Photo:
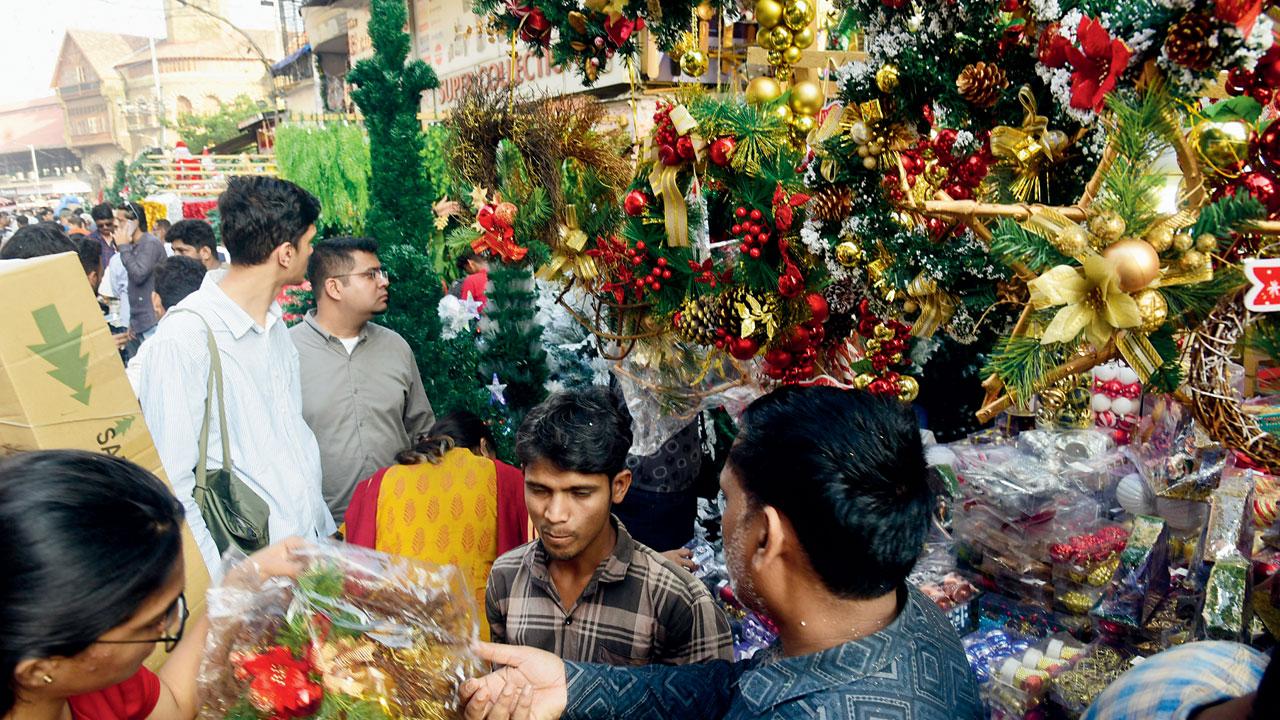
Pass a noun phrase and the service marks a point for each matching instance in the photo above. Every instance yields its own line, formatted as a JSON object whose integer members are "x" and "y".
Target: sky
{"x": 33, "y": 34}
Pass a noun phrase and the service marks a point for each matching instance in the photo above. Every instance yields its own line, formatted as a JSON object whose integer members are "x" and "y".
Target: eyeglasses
{"x": 374, "y": 274}
{"x": 176, "y": 617}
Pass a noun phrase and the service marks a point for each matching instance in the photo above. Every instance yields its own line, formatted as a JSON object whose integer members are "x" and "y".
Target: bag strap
{"x": 214, "y": 384}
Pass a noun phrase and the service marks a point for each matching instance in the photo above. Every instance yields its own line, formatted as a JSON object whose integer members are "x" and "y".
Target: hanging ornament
{"x": 636, "y": 203}
{"x": 768, "y": 13}
{"x": 721, "y": 151}
{"x": 802, "y": 38}
{"x": 1223, "y": 145}
{"x": 982, "y": 83}
{"x": 887, "y": 78}
{"x": 693, "y": 63}
{"x": 1153, "y": 308}
{"x": 806, "y": 98}
{"x": 763, "y": 90}
{"x": 848, "y": 254}
{"x": 799, "y": 13}
{"x": 1029, "y": 149}
{"x": 1135, "y": 263}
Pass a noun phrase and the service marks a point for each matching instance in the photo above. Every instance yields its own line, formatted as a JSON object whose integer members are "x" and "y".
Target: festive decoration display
{"x": 359, "y": 634}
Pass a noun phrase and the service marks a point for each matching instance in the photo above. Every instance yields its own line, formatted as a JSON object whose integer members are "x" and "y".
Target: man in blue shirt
{"x": 826, "y": 508}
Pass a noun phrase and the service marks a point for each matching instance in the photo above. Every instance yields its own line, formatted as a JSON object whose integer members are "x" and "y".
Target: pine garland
{"x": 332, "y": 162}
{"x": 1014, "y": 243}
{"x": 1227, "y": 215}
{"x": 1022, "y": 361}
{"x": 1189, "y": 304}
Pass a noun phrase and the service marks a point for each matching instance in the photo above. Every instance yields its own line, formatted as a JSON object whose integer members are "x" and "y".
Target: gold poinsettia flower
{"x": 1093, "y": 299}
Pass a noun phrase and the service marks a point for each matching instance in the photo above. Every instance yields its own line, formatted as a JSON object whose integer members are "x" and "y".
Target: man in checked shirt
{"x": 586, "y": 590}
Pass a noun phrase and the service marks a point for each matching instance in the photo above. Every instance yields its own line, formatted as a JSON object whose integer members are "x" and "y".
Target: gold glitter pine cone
{"x": 1187, "y": 43}
{"x": 831, "y": 203}
{"x": 982, "y": 83}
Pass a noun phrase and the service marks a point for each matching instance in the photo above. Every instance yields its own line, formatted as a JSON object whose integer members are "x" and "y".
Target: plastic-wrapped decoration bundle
{"x": 359, "y": 635}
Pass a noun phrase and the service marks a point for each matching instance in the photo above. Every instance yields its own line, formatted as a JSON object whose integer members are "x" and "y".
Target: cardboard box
{"x": 62, "y": 384}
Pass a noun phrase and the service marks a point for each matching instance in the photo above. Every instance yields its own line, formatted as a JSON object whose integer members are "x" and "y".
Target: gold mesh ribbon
{"x": 568, "y": 259}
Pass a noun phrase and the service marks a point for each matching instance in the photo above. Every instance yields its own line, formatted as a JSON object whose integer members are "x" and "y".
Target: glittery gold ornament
{"x": 1153, "y": 309}
{"x": 1071, "y": 241}
{"x": 883, "y": 332}
{"x": 887, "y": 77}
{"x": 768, "y": 13}
{"x": 783, "y": 113}
{"x": 862, "y": 381}
{"x": 802, "y": 38}
{"x": 1107, "y": 226}
{"x": 1192, "y": 259}
{"x": 791, "y": 54}
{"x": 1135, "y": 262}
{"x": 872, "y": 345}
{"x": 806, "y": 98}
{"x": 1206, "y": 243}
{"x": 693, "y": 63}
{"x": 848, "y": 253}
{"x": 763, "y": 90}
{"x": 799, "y": 13}
{"x": 1183, "y": 242}
{"x": 1160, "y": 238}
{"x": 908, "y": 388}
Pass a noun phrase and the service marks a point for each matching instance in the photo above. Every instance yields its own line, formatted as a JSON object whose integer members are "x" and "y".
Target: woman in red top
{"x": 91, "y": 562}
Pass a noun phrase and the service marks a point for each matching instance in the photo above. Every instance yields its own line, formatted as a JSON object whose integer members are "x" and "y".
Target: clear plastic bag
{"x": 359, "y": 635}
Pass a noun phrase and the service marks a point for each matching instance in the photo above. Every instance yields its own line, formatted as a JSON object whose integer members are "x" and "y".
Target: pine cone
{"x": 832, "y": 203}
{"x": 699, "y": 318}
{"x": 1187, "y": 43}
{"x": 982, "y": 83}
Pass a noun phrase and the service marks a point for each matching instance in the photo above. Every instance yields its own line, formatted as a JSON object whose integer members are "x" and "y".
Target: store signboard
{"x": 449, "y": 37}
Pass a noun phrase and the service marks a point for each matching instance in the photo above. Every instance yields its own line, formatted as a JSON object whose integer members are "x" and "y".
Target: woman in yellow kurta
{"x": 447, "y": 501}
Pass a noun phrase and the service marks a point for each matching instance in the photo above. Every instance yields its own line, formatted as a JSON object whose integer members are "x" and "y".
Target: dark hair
{"x": 38, "y": 240}
{"x": 162, "y": 223}
{"x": 468, "y": 255}
{"x": 102, "y": 212}
{"x": 88, "y": 538}
{"x": 260, "y": 213}
{"x": 134, "y": 211}
{"x": 196, "y": 233}
{"x": 847, "y": 469}
{"x": 76, "y": 220}
{"x": 460, "y": 428}
{"x": 176, "y": 278}
{"x": 23, "y": 220}
{"x": 90, "y": 252}
{"x": 585, "y": 430}
{"x": 332, "y": 256}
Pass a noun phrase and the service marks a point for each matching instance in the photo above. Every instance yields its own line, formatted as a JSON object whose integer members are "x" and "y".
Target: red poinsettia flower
{"x": 1052, "y": 49}
{"x": 280, "y": 684}
{"x": 620, "y": 30}
{"x": 1096, "y": 64}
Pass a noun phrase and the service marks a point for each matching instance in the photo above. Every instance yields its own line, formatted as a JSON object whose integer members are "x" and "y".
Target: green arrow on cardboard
{"x": 61, "y": 349}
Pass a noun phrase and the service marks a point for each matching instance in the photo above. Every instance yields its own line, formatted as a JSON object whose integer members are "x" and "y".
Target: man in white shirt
{"x": 267, "y": 227}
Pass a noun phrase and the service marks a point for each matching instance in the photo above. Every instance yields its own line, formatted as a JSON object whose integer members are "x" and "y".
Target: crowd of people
{"x": 586, "y": 601}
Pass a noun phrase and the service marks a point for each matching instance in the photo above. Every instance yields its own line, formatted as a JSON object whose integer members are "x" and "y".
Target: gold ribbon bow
{"x": 1027, "y": 148}
{"x": 568, "y": 258}
{"x": 664, "y": 178}
{"x": 936, "y": 307}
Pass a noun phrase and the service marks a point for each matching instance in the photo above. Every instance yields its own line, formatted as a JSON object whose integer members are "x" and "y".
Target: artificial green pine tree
{"x": 513, "y": 342}
{"x": 389, "y": 92}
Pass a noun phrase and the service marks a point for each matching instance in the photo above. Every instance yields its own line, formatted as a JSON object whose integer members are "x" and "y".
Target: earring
{"x": 47, "y": 680}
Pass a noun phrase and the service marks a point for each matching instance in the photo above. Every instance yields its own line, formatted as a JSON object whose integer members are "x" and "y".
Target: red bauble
{"x": 668, "y": 155}
{"x": 1264, "y": 188}
{"x": 1268, "y": 70}
{"x": 798, "y": 340}
{"x": 684, "y": 147}
{"x": 943, "y": 142}
{"x": 484, "y": 216}
{"x": 743, "y": 348}
{"x": 778, "y": 358}
{"x": 722, "y": 150}
{"x": 817, "y": 333}
{"x": 819, "y": 310}
{"x": 636, "y": 203}
{"x": 1266, "y": 146}
{"x": 790, "y": 285}
{"x": 775, "y": 372}
{"x": 1238, "y": 81}
{"x": 1262, "y": 93}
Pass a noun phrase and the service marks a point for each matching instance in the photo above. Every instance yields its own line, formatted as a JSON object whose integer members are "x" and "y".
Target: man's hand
{"x": 121, "y": 339}
{"x": 531, "y": 686}
{"x": 123, "y": 234}
{"x": 682, "y": 557}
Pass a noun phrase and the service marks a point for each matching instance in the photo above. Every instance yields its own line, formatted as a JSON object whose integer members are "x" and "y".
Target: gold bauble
{"x": 887, "y": 78}
{"x": 1206, "y": 243}
{"x": 1183, "y": 242}
{"x": 780, "y": 38}
{"x": 883, "y": 332}
{"x": 1057, "y": 141}
{"x": 872, "y": 345}
{"x": 806, "y": 98}
{"x": 870, "y": 163}
{"x": 803, "y": 124}
{"x": 799, "y": 13}
{"x": 1222, "y": 145}
{"x": 693, "y": 63}
{"x": 705, "y": 11}
{"x": 1152, "y": 308}
{"x": 1135, "y": 262}
{"x": 802, "y": 38}
{"x": 848, "y": 253}
{"x": 908, "y": 388}
{"x": 862, "y": 381}
{"x": 763, "y": 90}
{"x": 791, "y": 54}
{"x": 1072, "y": 241}
{"x": 782, "y": 112}
{"x": 1160, "y": 238}
{"x": 768, "y": 13}
{"x": 1192, "y": 259}
{"x": 764, "y": 39}
{"x": 1107, "y": 226}
{"x": 775, "y": 57}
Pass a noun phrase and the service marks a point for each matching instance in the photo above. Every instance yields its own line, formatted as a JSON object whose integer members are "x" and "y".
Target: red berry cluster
{"x": 1263, "y": 84}
{"x": 742, "y": 348}
{"x": 964, "y": 173}
{"x": 794, "y": 359}
{"x": 885, "y": 342}
{"x": 749, "y": 225}
{"x": 1092, "y": 548}
{"x": 673, "y": 148}
{"x": 651, "y": 281}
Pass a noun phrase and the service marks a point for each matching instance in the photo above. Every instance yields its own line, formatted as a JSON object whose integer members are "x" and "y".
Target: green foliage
{"x": 1264, "y": 336}
{"x": 1021, "y": 363}
{"x": 1140, "y": 130}
{"x": 513, "y": 341}
{"x": 332, "y": 162}
{"x": 201, "y": 130}
{"x": 338, "y": 706}
{"x": 1013, "y": 243}
{"x": 389, "y": 92}
{"x": 1189, "y": 304}
{"x": 1227, "y": 215}
{"x": 1168, "y": 377}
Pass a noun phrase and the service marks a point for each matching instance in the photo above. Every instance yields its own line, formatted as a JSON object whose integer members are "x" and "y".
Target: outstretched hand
{"x": 531, "y": 686}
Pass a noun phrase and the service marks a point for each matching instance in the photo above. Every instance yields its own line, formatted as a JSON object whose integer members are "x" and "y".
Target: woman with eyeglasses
{"x": 92, "y": 580}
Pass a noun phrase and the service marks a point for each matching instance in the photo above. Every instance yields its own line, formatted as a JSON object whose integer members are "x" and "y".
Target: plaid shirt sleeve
{"x": 696, "y": 628}
{"x": 650, "y": 692}
{"x": 1176, "y": 683}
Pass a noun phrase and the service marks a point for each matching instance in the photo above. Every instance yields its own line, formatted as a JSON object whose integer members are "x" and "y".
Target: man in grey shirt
{"x": 362, "y": 394}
